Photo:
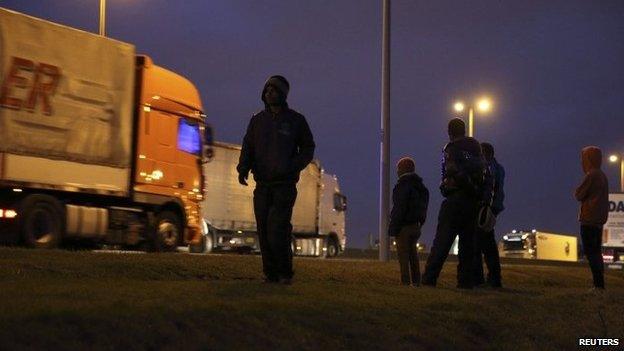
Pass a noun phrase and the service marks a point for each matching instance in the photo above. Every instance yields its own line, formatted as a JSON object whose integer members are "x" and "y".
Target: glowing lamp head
{"x": 613, "y": 158}
{"x": 484, "y": 105}
{"x": 459, "y": 106}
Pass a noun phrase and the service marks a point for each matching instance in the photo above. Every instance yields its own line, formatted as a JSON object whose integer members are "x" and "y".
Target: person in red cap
{"x": 410, "y": 199}
{"x": 277, "y": 146}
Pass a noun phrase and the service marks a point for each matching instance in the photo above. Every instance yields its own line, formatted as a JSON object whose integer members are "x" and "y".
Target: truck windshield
{"x": 189, "y": 137}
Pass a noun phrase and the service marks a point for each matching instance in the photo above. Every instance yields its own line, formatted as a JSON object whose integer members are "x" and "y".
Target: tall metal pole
{"x": 384, "y": 171}
{"x": 471, "y": 122}
{"x": 103, "y": 18}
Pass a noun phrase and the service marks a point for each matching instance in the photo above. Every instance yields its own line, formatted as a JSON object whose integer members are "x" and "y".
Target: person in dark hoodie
{"x": 486, "y": 242}
{"x": 277, "y": 146}
{"x": 463, "y": 178}
{"x": 593, "y": 193}
{"x": 410, "y": 199}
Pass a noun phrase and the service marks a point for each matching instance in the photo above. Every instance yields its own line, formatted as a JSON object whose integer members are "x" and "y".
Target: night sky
{"x": 554, "y": 69}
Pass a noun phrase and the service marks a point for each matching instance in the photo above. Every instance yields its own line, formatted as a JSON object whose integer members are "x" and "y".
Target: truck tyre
{"x": 168, "y": 232}
{"x": 332, "y": 247}
{"x": 208, "y": 242}
{"x": 199, "y": 248}
{"x": 41, "y": 223}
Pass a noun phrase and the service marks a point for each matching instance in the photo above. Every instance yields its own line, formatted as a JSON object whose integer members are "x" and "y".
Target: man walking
{"x": 278, "y": 145}
{"x": 410, "y": 198}
{"x": 486, "y": 242}
{"x": 593, "y": 194}
{"x": 463, "y": 169}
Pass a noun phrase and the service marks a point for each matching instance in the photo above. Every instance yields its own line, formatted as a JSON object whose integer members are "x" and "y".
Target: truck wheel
{"x": 332, "y": 247}
{"x": 199, "y": 248}
{"x": 208, "y": 242}
{"x": 41, "y": 224}
{"x": 168, "y": 232}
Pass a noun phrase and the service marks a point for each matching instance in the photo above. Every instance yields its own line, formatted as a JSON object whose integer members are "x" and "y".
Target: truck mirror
{"x": 208, "y": 135}
{"x": 340, "y": 202}
{"x": 208, "y": 142}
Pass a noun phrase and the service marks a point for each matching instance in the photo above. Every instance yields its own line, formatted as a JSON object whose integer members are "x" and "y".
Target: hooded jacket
{"x": 593, "y": 193}
{"x": 276, "y": 147}
{"x": 410, "y": 199}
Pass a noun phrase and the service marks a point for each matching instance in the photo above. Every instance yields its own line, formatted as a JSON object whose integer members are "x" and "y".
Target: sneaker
{"x": 597, "y": 290}
{"x": 285, "y": 281}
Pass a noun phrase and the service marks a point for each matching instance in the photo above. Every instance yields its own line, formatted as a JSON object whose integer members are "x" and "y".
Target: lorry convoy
{"x": 318, "y": 216}
{"x": 95, "y": 141}
{"x": 101, "y": 144}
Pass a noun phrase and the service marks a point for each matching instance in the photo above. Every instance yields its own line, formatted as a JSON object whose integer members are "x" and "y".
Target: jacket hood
{"x": 281, "y": 84}
{"x": 591, "y": 157}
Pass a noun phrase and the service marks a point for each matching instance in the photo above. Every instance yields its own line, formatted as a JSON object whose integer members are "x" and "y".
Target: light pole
{"x": 103, "y": 18}
{"x": 614, "y": 159}
{"x": 483, "y": 105}
{"x": 384, "y": 171}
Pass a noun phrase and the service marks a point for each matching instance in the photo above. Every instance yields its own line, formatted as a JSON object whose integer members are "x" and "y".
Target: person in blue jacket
{"x": 485, "y": 241}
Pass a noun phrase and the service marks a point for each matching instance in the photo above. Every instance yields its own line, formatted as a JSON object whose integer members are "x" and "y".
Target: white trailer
{"x": 539, "y": 245}
{"x": 613, "y": 230}
{"x": 229, "y": 224}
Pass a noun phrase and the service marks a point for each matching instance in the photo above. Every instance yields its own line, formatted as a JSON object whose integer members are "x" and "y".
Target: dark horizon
{"x": 553, "y": 70}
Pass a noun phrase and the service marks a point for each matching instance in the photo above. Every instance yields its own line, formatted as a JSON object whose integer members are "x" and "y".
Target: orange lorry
{"x": 96, "y": 142}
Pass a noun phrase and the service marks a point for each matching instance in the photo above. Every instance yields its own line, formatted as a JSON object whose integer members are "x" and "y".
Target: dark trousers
{"x": 273, "y": 206}
{"x": 408, "y": 254}
{"x": 592, "y": 245}
{"x": 458, "y": 216}
{"x": 486, "y": 249}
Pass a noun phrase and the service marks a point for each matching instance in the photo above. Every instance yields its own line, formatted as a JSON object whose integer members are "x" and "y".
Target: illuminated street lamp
{"x": 482, "y": 105}
{"x": 614, "y": 159}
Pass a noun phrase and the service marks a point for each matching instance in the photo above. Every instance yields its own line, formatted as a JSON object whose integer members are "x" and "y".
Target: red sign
{"x": 42, "y": 85}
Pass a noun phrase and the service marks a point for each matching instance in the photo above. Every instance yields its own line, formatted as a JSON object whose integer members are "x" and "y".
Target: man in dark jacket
{"x": 410, "y": 198}
{"x": 463, "y": 170}
{"x": 593, "y": 194}
{"x": 486, "y": 242}
{"x": 278, "y": 145}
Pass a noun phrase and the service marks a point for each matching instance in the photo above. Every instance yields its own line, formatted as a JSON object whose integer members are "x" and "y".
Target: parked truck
{"x": 318, "y": 216}
{"x": 613, "y": 230}
{"x": 95, "y": 142}
{"x": 534, "y": 244}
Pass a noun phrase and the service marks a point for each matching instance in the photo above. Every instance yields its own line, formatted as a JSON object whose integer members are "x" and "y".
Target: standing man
{"x": 410, "y": 198}
{"x": 593, "y": 194}
{"x": 463, "y": 169}
{"x": 278, "y": 145}
{"x": 486, "y": 243}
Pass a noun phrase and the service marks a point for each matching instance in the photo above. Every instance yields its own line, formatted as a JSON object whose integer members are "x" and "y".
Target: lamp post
{"x": 483, "y": 105}
{"x": 384, "y": 171}
{"x": 615, "y": 159}
{"x": 103, "y": 18}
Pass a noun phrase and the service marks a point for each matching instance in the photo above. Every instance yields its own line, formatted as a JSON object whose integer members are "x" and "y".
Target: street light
{"x": 614, "y": 159}
{"x": 103, "y": 18}
{"x": 482, "y": 105}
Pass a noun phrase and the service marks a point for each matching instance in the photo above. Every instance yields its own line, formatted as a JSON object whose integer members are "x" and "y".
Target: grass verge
{"x": 80, "y": 300}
